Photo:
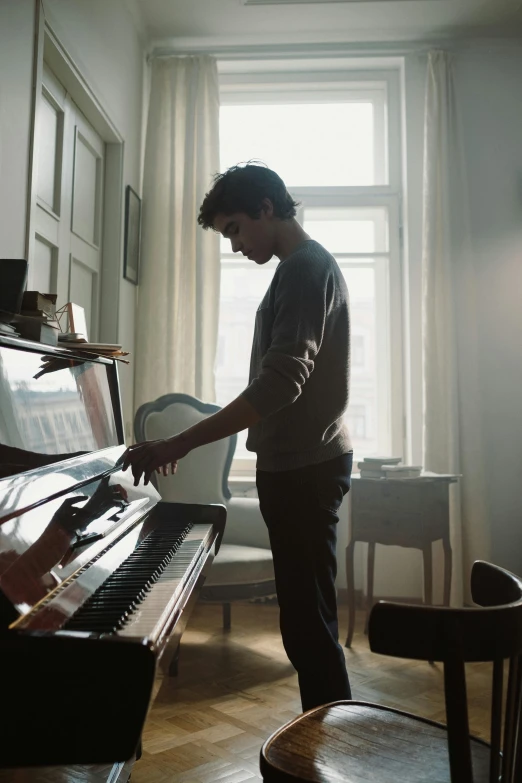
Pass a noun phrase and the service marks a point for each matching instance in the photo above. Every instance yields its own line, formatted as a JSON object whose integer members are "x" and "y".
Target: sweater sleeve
{"x": 300, "y": 308}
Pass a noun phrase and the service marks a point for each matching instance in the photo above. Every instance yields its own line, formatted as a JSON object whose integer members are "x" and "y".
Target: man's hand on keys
{"x": 154, "y": 455}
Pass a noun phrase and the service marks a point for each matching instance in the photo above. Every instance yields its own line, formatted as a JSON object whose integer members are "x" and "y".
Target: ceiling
{"x": 233, "y": 22}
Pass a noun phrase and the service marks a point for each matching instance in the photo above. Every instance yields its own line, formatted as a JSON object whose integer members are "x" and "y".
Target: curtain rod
{"x": 271, "y": 52}
{"x": 324, "y": 50}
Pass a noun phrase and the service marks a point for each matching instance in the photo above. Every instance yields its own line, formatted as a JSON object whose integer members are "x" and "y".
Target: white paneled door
{"x": 66, "y": 256}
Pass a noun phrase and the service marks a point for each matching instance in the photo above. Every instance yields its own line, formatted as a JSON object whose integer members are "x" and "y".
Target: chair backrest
{"x": 202, "y": 476}
{"x": 491, "y": 632}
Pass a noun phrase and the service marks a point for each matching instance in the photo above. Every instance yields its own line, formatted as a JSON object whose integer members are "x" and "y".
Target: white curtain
{"x": 178, "y": 297}
{"x": 452, "y": 405}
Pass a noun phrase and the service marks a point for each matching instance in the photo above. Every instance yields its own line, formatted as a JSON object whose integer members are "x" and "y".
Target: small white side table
{"x": 399, "y": 512}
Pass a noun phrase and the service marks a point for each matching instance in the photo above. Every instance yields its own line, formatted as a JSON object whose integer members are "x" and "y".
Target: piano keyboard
{"x": 136, "y": 585}
{"x": 152, "y": 614}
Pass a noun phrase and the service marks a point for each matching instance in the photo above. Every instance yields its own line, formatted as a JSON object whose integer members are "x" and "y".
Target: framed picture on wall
{"x": 131, "y": 252}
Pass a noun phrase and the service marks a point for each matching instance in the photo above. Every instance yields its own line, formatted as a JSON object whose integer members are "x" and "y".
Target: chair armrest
{"x": 245, "y": 525}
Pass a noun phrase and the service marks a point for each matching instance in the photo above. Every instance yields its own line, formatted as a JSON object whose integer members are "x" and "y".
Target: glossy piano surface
{"x": 60, "y": 518}
{"x": 54, "y": 403}
{"x": 97, "y": 577}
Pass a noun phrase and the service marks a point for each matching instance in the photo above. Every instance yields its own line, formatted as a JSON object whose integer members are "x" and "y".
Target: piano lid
{"x": 54, "y": 405}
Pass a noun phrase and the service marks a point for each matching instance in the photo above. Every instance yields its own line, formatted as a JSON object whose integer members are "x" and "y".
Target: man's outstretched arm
{"x": 145, "y": 458}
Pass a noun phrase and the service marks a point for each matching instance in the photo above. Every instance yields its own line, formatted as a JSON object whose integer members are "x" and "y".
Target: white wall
{"x": 16, "y": 79}
{"x": 105, "y": 44}
{"x": 490, "y": 92}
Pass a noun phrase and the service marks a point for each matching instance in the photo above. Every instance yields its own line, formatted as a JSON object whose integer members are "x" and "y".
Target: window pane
{"x": 361, "y": 230}
{"x": 357, "y": 419}
{"x": 242, "y": 289}
{"x": 359, "y": 350}
{"x": 307, "y": 144}
{"x": 349, "y": 229}
{"x": 363, "y": 411}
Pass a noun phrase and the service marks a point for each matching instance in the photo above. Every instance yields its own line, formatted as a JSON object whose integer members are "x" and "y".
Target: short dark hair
{"x": 243, "y": 188}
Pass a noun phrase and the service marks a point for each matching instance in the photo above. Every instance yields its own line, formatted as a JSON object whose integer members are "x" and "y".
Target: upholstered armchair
{"x": 243, "y": 569}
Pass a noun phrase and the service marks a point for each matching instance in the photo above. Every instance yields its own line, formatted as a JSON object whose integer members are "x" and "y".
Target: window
{"x": 358, "y": 351}
{"x": 286, "y": 134}
{"x": 357, "y": 419}
{"x": 333, "y": 138}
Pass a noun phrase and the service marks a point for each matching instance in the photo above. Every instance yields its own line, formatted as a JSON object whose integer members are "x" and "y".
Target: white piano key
{"x": 154, "y": 611}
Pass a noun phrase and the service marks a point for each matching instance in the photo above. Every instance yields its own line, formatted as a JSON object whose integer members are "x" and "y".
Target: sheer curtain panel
{"x": 452, "y": 406}
{"x": 178, "y": 298}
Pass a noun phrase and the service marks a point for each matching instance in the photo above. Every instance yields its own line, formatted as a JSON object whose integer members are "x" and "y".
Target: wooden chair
{"x": 352, "y": 742}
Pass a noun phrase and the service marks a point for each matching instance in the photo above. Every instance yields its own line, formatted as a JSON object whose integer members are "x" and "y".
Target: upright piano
{"x": 97, "y": 576}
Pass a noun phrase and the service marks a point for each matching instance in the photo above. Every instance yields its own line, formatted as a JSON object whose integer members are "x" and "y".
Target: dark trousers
{"x": 300, "y": 510}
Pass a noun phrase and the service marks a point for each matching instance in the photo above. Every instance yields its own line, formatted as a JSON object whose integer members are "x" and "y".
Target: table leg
{"x": 428, "y": 573}
{"x": 350, "y": 584}
{"x": 226, "y": 617}
{"x": 369, "y": 589}
{"x": 448, "y": 563}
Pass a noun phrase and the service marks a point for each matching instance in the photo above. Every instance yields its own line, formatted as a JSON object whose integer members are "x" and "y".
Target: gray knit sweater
{"x": 300, "y": 363}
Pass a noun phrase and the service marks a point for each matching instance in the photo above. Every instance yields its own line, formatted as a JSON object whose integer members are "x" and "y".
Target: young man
{"x": 293, "y": 408}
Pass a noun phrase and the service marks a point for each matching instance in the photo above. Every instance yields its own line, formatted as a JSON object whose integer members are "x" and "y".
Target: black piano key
{"x": 111, "y": 604}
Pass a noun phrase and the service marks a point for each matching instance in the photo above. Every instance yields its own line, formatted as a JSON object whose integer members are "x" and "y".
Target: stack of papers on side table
{"x": 387, "y": 467}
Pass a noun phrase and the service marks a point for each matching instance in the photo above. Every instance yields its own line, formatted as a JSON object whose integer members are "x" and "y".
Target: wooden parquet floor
{"x": 233, "y": 689}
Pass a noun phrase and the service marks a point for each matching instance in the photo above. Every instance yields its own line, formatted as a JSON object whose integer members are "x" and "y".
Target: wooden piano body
{"x": 97, "y": 577}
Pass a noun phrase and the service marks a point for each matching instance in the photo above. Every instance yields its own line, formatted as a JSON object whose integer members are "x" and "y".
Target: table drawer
{"x": 397, "y": 494}
{"x": 400, "y": 529}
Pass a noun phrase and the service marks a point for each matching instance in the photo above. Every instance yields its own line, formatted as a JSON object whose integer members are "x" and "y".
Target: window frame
{"x": 288, "y": 86}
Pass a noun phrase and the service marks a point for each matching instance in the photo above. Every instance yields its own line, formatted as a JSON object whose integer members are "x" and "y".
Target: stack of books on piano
{"x": 6, "y": 327}
{"x": 37, "y": 319}
{"x": 79, "y": 343}
{"x": 388, "y": 468}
